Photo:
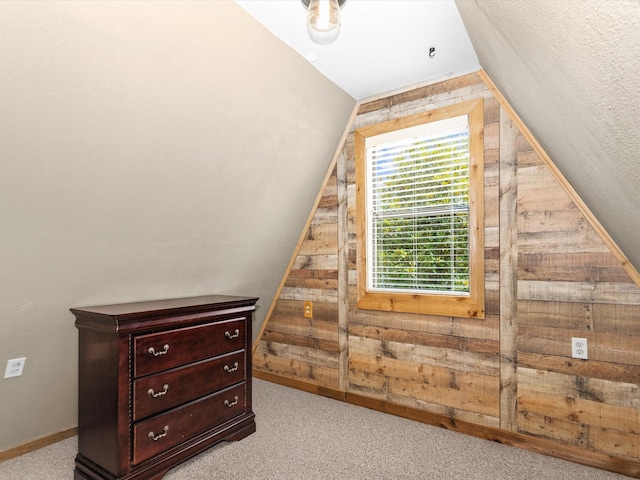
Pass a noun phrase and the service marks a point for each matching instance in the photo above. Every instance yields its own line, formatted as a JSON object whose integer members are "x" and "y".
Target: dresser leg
{"x": 240, "y": 434}
{"x": 159, "y": 476}
{"x": 79, "y": 476}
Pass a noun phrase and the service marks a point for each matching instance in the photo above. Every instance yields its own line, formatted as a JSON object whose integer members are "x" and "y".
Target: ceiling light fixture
{"x": 323, "y": 20}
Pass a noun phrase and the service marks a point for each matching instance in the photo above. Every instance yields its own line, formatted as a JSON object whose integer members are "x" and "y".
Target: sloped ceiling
{"x": 571, "y": 70}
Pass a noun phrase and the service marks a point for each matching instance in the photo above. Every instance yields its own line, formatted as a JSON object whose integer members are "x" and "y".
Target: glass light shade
{"x": 323, "y": 21}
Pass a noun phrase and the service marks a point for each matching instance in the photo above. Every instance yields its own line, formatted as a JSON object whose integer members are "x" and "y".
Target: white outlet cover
{"x": 14, "y": 367}
{"x": 579, "y": 348}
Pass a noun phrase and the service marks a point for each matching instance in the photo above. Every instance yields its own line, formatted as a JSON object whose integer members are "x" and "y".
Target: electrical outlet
{"x": 14, "y": 367}
{"x": 579, "y": 348}
{"x": 308, "y": 309}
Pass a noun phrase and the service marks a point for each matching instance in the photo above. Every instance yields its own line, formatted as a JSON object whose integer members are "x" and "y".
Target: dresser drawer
{"x": 169, "y": 429}
{"x": 165, "y": 390}
{"x": 161, "y": 351}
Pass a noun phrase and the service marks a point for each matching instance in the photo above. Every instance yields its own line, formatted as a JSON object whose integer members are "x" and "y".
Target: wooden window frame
{"x": 469, "y": 305}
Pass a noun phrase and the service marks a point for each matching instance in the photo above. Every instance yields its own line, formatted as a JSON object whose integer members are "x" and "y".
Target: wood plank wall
{"x": 549, "y": 277}
{"x": 295, "y": 346}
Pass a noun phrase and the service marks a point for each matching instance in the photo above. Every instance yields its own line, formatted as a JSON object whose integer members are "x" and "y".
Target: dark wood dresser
{"x": 160, "y": 382}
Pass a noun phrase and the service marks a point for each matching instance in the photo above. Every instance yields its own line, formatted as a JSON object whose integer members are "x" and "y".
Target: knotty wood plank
{"x": 480, "y": 397}
{"x": 508, "y": 273}
{"x": 491, "y": 110}
{"x": 328, "y": 203}
{"x": 288, "y": 319}
{"x": 295, "y": 368}
{"x": 321, "y": 239}
{"x": 465, "y": 391}
{"x": 327, "y": 311}
{"x": 460, "y": 327}
{"x": 370, "y": 384}
{"x": 324, "y": 330}
{"x": 300, "y": 341}
{"x": 491, "y": 135}
{"x": 623, "y": 394}
{"x": 569, "y": 242}
{"x": 580, "y": 292}
{"x": 591, "y": 369}
{"x": 312, "y": 283}
{"x": 616, "y": 318}
{"x": 343, "y": 279}
{"x": 528, "y": 158}
{"x": 454, "y": 414}
{"x": 263, "y": 360}
{"x": 316, "y": 262}
{"x": 323, "y": 222}
{"x": 312, "y": 294}
{"x": 319, "y": 274}
{"x": 575, "y": 267}
{"x": 575, "y": 409}
{"x": 574, "y": 316}
{"x": 486, "y": 364}
{"x": 323, "y": 216}
{"x": 553, "y": 383}
{"x": 297, "y": 325}
{"x": 309, "y": 356}
{"x": 428, "y": 339}
{"x": 551, "y": 220}
{"x": 422, "y": 373}
{"x": 538, "y": 191}
{"x": 491, "y": 199}
{"x": 554, "y": 429}
{"x": 614, "y": 443}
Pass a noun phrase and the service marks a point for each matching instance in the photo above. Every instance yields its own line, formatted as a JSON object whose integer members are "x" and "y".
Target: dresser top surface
{"x": 174, "y": 305}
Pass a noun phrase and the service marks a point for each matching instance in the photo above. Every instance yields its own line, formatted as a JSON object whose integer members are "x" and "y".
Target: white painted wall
{"x": 147, "y": 150}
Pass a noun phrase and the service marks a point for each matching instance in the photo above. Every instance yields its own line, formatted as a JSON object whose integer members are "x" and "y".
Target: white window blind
{"x": 418, "y": 208}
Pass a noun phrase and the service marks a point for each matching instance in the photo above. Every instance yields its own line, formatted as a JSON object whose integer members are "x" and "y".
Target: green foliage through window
{"x": 419, "y": 211}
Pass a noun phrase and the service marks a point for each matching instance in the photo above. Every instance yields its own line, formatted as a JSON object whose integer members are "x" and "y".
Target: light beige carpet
{"x": 307, "y": 437}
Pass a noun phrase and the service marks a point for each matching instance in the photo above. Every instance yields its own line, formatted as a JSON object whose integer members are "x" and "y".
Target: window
{"x": 420, "y": 213}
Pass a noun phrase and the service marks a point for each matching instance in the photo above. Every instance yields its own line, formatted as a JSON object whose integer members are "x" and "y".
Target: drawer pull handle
{"x": 236, "y": 334}
{"x": 229, "y": 369}
{"x": 231, "y": 404}
{"x": 164, "y": 351}
{"x": 155, "y": 438}
{"x": 164, "y": 391}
